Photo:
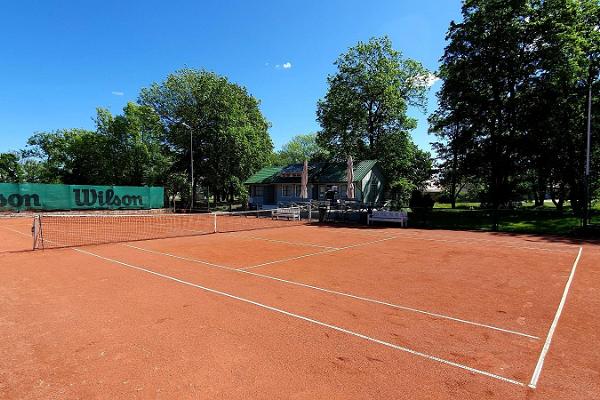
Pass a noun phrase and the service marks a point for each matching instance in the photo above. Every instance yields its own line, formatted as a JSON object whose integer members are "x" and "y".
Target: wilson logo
{"x": 19, "y": 200}
{"x": 91, "y": 197}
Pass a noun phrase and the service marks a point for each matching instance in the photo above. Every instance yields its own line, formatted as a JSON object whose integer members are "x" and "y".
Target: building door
{"x": 269, "y": 194}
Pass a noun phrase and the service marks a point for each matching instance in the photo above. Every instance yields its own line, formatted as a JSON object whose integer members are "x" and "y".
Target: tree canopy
{"x": 123, "y": 150}
{"x": 10, "y": 169}
{"x": 228, "y": 133}
{"x": 511, "y": 110}
{"x": 300, "y": 148}
{"x": 364, "y": 113}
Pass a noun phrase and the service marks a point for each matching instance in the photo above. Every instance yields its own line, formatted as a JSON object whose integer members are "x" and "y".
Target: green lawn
{"x": 544, "y": 220}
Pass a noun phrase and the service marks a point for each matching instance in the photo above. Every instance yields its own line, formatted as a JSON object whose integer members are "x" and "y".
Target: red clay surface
{"x": 299, "y": 312}
{"x": 15, "y": 234}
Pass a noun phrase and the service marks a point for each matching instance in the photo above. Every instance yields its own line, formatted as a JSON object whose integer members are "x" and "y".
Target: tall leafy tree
{"x": 364, "y": 113}
{"x": 229, "y": 137}
{"x": 72, "y": 156}
{"x": 10, "y": 168}
{"x": 484, "y": 68}
{"x": 511, "y": 107}
{"x": 123, "y": 150}
{"x": 565, "y": 41}
{"x": 133, "y": 142}
{"x": 300, "y": 148}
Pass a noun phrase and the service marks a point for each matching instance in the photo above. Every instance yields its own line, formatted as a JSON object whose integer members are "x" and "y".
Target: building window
{"x": 298, "y": 190}
{"x": 322, "y": 190}
{"x": 286, "y": 190}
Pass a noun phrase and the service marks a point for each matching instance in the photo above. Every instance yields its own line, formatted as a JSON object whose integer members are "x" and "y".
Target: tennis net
{"x": 71, "y": 230}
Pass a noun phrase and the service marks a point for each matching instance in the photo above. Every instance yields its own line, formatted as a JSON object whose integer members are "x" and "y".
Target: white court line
{"x": 540, "y": 363}
{"x": 469, "y": 241}
{"x": 366, "y": 299}
{"x": 312, "y": 321}
{"x": 315, "y": 254}
{"x": 286, "y": 242}
{"x": 463, "y": 240}
{"x": 16, "y": 231}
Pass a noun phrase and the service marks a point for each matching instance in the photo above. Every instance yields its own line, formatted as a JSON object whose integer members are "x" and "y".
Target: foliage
{"x": 133, "y": 144}
{"x": 364, "y": 113}
{"x": 124, "y": 150}
{"x": 229, "y": 137}
{"x": 11, "y": 170}
{"x": 511, "y": 111}
{"x": 300, "y": 148}
{"x": 68, "y": 156}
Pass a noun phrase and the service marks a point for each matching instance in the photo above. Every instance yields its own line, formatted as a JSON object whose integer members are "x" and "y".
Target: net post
{"x": 215, "y": 223}
{"x": 310, "y": 212}
{"x": 36, "y": 232}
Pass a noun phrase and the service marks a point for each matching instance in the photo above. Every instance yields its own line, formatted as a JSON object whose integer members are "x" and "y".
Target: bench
{"x": 287, "y": 213}
{"x": 388, "y": 216}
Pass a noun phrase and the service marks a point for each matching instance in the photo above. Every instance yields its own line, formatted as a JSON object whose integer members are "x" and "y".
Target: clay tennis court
{"x": 304, "y": 311}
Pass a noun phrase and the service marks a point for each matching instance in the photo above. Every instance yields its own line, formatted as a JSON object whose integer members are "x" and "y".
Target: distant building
{"x": 273, "y": 185}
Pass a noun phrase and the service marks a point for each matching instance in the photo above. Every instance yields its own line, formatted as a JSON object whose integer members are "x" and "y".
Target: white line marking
{"x": 315, "y": 254}
{"x": 366, "y": 299}
{"x": 16, "y": 231}
{"x": 286, "y": 242}
{"x": 502, "y": 243}
{"x": 310, "y": 320}
{"x": 540, "y": 363}
{"x": 494, "y": 242}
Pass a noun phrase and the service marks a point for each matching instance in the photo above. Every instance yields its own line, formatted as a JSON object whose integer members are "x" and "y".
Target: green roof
{"x": 265, "y": 175}
{"x": 318, "y": 173}
{"x": 331, "y": 173}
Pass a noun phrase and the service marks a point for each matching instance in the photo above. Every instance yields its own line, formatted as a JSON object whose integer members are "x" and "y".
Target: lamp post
{"x": 191, "y": 163}
{"x": 586, "y": 178}
{"x": 586, "y": 216}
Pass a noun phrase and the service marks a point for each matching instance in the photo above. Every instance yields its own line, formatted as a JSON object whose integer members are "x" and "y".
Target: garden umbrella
{"x": 304, "y": 181}
{"x": 350, "y": 178}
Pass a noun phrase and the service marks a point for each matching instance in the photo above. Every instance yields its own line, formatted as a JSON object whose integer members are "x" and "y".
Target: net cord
{"x": 38, "y": 235}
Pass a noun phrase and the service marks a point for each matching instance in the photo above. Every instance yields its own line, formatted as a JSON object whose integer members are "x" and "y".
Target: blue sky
{"x": 59, "y": 60}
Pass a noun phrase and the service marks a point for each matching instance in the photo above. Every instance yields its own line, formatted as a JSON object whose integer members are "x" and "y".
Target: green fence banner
{"x": 36, "y": 196}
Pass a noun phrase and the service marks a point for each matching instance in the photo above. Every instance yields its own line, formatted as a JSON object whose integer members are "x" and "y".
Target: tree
{"x": 364, "y": 113}
{"x": 300, "y": 148}
{"x": 133, "y": 142}
{"x": 484, "y": 68}
{"x": 124, "y": 150}
{"x": 511, "y": 108}
{"x": 229, "y": 137}
{"x": 566, "y": 55}
{"x": 71, "y": 156}
{"x": 10, "y": 169}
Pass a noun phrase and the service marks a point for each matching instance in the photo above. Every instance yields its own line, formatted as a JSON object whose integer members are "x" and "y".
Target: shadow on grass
{"x": 536, "y": 224}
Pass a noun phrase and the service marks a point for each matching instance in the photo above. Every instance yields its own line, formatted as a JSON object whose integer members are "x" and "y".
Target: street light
{"x": 191, "y": 163}
{"x": 586, "y": 179}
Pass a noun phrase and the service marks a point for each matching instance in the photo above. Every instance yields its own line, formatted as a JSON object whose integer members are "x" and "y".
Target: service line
{"x": 335, "y": 292}
{"x": 310, "y": 320}
{"x": 317, "y": 253}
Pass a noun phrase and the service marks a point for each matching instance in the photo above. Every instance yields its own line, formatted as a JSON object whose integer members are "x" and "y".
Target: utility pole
{"x": 586, "y": 216}
{"x": 191, "y": 164}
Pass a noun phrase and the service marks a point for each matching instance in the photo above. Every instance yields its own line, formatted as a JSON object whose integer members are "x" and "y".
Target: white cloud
{"x": 117, "y": 93}
{"x": 287, "y": 65}
{"x": 432, "y": 79}
{"x": 277, "y": 66}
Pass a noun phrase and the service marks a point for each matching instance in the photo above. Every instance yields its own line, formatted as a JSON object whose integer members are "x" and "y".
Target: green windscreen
{"x": 36, "y": 196}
